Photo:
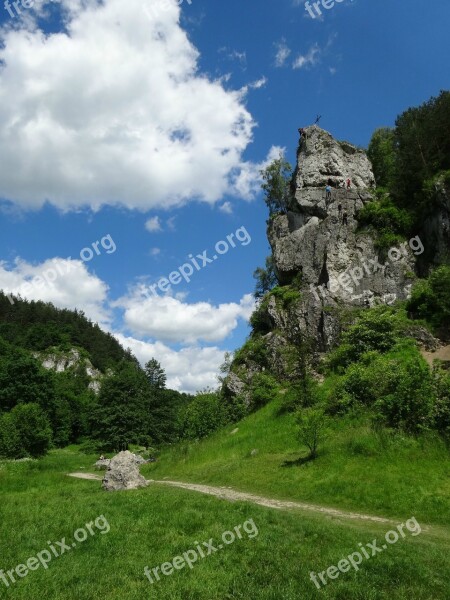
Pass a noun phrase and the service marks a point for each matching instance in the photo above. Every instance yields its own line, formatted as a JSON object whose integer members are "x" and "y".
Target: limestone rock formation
{"x": 123, "y": 473}
{"x": 332, "y": 264}
{"x": 60, "y": 362}
{"x": 335, "y": 261}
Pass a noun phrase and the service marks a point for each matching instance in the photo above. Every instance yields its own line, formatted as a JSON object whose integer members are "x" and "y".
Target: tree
{"x": 33, "y": 429}
{"x": 311, "y": 431}
{"x": 155, "y": 374}
{"x": 381, "y": 153}
{"x": 123, "y": 415}
{"x": 266, "y": 279}
{"x": 277, "y": 185}
{"x": 204, "y": 415}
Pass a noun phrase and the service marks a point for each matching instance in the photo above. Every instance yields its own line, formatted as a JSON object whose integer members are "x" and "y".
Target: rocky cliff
{"x": 324, "y": 261}
{"x": 59, "y": 361}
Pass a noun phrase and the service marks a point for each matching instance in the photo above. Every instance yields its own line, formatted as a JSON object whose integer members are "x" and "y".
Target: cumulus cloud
{"x": 113, "y": 110}
{"x": 172, "y": 320}
{"x": 247, "y": 181}
{"x": 188, "y": 370}
{"x": 153, "y": 225}
{"x": 282, "y": 53}
{"x": 309, "y": 59}
{"x": 226, "y": 208}
{"x": 64, "y": 282}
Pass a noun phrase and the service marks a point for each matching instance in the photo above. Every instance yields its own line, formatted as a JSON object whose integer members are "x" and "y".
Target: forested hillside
{"x": 41, "y": 408}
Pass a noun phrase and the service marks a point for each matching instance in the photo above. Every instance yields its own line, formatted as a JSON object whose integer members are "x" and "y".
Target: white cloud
{"x": 188, "y": 370}
{"x": 309, "y": 59}
{"x": 155, "y": 251}
{"x": 64, "y": 282}
{"x": 282, "y": 53}
{"x": 226, "y": 208}
{"x": 114, "y": 111}
{"x": 247, "y": 182}
{"x": 259, "y": 83}
{"x": 171, "y": 320}
{"x": 153, "y": 225}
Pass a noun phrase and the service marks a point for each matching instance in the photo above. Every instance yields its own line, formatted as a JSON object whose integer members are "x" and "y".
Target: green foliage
{"x": 204, "y": 415}
{"x": 123, "y": 414}
{"x": 277, "y": 185}
{"x": 25, "y": 432}
{"x": 375, "y": 329}
{"x": 263, "y": 389}
{"x": 391, "y": 223}
{"x": 254, "y": 350}
{"x": 23, "y": 379}
{"x": 265, "y": 278}
{"x": 441, "y": 409}
{"x": 38, "y": 326}
{"x": 301, "y": 394}
{"x": 430, "y": 299}
{"x": 287, "y": 295}
{"x": 312, "y": 428}
{"x": 381, "y": 153}
{"x": 407, "y": 161}
{"x": 155, "y": 374}
{"x": 422, "y": 139}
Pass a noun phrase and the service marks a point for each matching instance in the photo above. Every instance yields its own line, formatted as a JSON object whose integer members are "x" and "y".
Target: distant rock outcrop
{"x": 59, "y": 361}
{"x": 123, "y": 473}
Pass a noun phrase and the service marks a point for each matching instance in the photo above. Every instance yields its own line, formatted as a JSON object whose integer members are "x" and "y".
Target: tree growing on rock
{"x": 266, "y": 279}
{"x": 277, "y": 185}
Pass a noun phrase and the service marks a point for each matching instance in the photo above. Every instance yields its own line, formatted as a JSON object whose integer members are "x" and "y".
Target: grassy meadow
{"x": 148, "y": 527}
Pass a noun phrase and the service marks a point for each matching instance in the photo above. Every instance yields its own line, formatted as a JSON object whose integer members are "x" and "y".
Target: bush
{"x": 430, "y": 299}
{"x": 204, "y": 415}
{"x": 441, "y": 409}
{"x": 25, "y": 431}
{"x": 375, "y": 330}
{"x": 263, "y": 388}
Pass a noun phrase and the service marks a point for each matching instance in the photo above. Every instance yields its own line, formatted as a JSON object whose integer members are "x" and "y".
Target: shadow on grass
{"x": 298, "y": 462}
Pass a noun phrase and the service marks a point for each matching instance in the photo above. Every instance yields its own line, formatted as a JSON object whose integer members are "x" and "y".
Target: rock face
{"x": 123, "y": 473}
{"x": 63, "y": 361}
{"x": 320, "y": 158}
{"x": 332, "y": 266}
{"x": 336, "y": 263}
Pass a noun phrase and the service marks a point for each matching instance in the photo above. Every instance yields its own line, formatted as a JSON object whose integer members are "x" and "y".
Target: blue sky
{"x": 148, "y": 123}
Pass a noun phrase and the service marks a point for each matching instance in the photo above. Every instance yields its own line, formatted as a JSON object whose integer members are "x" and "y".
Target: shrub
{"x": 430, "y": 299}
{"x": 375, "y": 329}
{"x": 25, "y": 431}
{"x": 204, "y": 415}
{"x": 263, "y": 388}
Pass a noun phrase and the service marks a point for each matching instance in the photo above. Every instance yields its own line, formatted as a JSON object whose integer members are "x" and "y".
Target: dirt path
{"x": 91, "y": 476}
{"x": 227, "y": 493}
{"x": 442, "y": 353}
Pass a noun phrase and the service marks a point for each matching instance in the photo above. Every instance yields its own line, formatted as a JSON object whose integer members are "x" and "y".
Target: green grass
{"x": 153, "y": 525}
{"x": 355, "y": 470}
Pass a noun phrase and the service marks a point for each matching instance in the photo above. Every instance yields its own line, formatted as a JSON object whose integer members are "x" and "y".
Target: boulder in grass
{"x": 123, "y": 473}
{"x": 102, "y": 463}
